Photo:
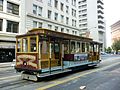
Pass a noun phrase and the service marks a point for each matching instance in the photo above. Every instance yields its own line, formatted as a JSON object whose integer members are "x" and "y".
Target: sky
{"x": 112, "y": 15}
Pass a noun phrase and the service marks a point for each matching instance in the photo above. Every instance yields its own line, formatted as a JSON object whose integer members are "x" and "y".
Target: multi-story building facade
{"x": 19, "y": 16}
{"x": 9, "y": 25}
{"x": 67, "y": 16}
{"x": 115, "y": 31}
{"x": 57, "y": 15}
{"x": 91, "y": 19}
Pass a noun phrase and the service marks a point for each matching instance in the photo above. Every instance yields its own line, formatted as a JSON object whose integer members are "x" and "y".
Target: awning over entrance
{"x": 6, "y": 45}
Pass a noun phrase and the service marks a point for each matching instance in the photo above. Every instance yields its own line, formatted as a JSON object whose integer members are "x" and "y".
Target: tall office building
{"x": 91, "y": 19}
{"x": 57, "y": 15}
{"x": 9, "y": 27}
{"x": 115, "y": 31}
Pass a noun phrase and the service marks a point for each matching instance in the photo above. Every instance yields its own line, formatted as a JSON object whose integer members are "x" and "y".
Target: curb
{"x": 7, "y": 64}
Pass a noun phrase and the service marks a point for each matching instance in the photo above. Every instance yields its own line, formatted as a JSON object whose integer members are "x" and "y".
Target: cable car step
{"x": 29, "y": 77}
{"x": 53, "y": 73}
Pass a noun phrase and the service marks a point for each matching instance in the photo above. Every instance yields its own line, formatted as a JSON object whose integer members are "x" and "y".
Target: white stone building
{"x": 57, "y": 15}
{"x": 9, "y": 25}
{"x": 19, "y": 16}
{"x": 91, "y": 19}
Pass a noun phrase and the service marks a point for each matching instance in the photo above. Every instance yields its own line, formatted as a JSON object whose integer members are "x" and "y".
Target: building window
{"x": 101, "y": 12}
{"x": 66, "y": 0}
{"x": 56, "y": 16}
{"x": 34, "y": 24}
{"x": 61, "y": 6}
{"x": 67, "y": 20}
{"x": 73, "y": 13}
{"x": 80, "y": 21}
{"x": 100, "y": 27}
{"x": 1, "y": 24}
{"x": 39, "y": 11}
{"x": 84, "y": 25}
{"x": 40, "y": 25}
{"x": 62, "y": 29}
{"x": 49, "y": 26}
{"x": 75, "y": 23}
{"x": 84, "y": 15}
{"x": 74, "y": 2}
{"x": 1, "y": 5}
{"x": 34, "y": 9}
{"x": 84, "y": 11}
{"x": 49, "y": 14}
{"x": 80, "y": 25}
{"x": 99, "y": 1}
{"x": 75, "y": 32}
{"x": 100, "y": 17}
{"x": 12, "y": 26}
{"x": 81, "y": 2}
{"x": 72, "y": 22}
{"x": 56, "y": 28}
{"x": 56, "y": 3}
{"x": 49, "y": 3}
{"x": 12, "y": 8}
{"x": 100, "y": 22}
{"x": 39, "y": 0}
{"x": 67, "y": 9}
{"x": 62, "y": 18}
{"x": 84, "y": 20}
{"x": 72, "y": 32}
{"x": 67, "y": 30}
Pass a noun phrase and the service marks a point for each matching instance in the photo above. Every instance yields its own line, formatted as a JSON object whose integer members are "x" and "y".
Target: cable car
{"x": 43, "y": 52}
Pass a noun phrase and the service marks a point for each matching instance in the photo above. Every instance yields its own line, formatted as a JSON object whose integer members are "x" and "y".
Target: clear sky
{"x": 112, "y": 15}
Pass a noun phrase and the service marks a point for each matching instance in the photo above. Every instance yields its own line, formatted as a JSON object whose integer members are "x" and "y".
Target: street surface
{"x": 106, "y": 76}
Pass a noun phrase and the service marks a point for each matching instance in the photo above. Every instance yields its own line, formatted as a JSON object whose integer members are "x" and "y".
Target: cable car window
{"x": 33, "y": 44}
{"x": 66, "y": 47}
{"x": 44, "y": 47}
{"x": 25, "y": 45}
{"x": 78, "y": 47}
{"x": 97, "y": 48}
{"x": 18, "y": 45}
{"x": 91, "y": 47}
{"x": 56, "y": 47}
{"x": 72, "y": 47}
{"x": 87, "y": 46}
{"x": 52, "y": 48}
{"x": 83, "y": 47}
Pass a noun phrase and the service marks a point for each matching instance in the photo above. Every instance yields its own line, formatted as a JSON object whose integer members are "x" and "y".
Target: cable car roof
{"x": 54, "y": 34}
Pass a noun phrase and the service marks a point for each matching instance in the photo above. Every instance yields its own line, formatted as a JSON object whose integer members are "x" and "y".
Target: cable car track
{"x": 14, "y": 84}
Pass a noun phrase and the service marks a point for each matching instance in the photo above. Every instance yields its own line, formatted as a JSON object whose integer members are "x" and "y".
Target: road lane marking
{"x": 55, "y": 83}
{"x": 9, "y": 77}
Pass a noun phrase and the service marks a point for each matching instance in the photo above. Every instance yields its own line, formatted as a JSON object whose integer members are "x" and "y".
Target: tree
{"x": 116, "y": 45}
{"x": 108, "y": 50}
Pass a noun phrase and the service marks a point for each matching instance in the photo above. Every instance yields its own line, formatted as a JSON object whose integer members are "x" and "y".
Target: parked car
{"x": 103, "y": 53}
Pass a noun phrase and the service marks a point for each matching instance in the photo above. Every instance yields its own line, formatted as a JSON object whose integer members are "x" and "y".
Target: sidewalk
{"x": 7, "y": 64}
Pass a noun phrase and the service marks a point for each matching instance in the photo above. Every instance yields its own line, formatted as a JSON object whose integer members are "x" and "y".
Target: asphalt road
{"x": 105, "y": 76}
{"x": 108, "y": 79}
